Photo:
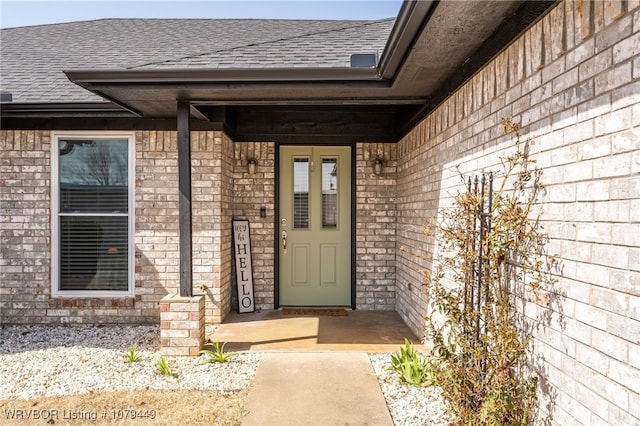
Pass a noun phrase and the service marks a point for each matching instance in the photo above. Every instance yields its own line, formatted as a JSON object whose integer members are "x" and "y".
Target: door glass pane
{"x": 301, "y": 193}
{"x": 329, "y": 192}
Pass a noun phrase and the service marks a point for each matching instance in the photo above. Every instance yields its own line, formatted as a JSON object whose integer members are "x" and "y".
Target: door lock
{"x": 284, "y": 241}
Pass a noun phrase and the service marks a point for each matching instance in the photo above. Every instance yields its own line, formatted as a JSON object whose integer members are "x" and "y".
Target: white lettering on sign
{"x": 244, "y": 272}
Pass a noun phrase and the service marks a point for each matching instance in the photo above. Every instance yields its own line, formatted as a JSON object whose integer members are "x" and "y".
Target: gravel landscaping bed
{"x": 41, "y": 361}
{"x": 51, "y": 361}
{"x": 409, "y": 405}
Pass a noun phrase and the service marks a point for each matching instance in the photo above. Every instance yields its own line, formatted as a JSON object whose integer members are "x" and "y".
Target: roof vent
{"x": 364, "y": 60}
{"x": 6, "y": 97}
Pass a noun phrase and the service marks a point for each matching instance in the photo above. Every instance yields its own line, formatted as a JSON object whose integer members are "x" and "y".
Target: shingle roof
{"x": 33, "y": 58}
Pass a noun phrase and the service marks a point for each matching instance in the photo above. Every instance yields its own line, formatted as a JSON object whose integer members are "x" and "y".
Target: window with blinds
{"x": 92, "y": 219}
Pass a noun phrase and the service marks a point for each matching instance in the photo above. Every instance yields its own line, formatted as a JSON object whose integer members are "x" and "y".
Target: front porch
{"x": 273, "y": 330}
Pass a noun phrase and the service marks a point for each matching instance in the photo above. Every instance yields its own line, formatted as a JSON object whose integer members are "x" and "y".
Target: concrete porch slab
{"x": 359, "y": 331}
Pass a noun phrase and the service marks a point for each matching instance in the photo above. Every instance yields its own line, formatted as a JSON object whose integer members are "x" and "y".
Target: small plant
{"x": 414, "y": 369}
{"x": 164, "y": 368}
{"x": 132, "y": 355}
{"x": 217, "y": 354}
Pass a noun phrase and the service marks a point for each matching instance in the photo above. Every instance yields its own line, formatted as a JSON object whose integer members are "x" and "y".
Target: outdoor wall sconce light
{"x": 251, "y": 166}
{"x": 377, "y": 166}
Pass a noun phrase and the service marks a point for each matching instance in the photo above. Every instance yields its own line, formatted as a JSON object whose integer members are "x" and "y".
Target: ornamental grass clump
{"x": 163, "y": 367}
{"x": 217, "y": 354}
{"x": 413, "y": 369}
{"x": 491, "y": 254}
{"x": 132, "y": 355}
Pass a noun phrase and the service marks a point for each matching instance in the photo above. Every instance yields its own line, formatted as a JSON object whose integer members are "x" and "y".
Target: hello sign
{"x": 244, "y": 271}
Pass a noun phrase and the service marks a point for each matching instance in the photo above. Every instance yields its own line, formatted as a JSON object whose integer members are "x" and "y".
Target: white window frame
{"x": 55, "y": 214}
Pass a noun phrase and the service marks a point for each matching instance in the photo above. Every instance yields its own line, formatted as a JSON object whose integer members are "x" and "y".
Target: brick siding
{"x": 375, "y": 228}
{"x": 25, "y": 227}
{"x": 573, "y": 81}
{"x": 156, "y": 235}
{"x": 25, "y": 180}
{"x": 212, "y": 197}
{"x": 250, "y": 193}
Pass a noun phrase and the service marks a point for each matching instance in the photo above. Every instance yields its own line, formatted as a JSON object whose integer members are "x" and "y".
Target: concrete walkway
{"x": 329, "y": 388}
{"x": 315, "y": 370}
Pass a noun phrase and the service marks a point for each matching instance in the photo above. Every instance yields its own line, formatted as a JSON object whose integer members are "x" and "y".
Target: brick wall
{"x": 250, "y": 193}
{"x": 25, "y": 225}
{"x": 375, "y": 228}
{"x": 212, "y": 198}
{"x": 25, "y": 181}
{"x": 222, "y": 188}
{"x": 157, "y": 235}
{"x": 573, "y": 81}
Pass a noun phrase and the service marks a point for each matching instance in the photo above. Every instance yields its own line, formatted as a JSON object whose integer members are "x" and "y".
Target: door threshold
{"x": 320, "y": 307}
{"x": 315, "y": 312}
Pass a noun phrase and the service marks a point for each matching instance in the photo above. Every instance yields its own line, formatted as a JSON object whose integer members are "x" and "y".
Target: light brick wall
{"x": 25, "y": 181}
{"x": 212, "y": 198}
{"x": 375, "y": 228}
{"x": 250, "y": 193}
{"x": 25, "y": 173}
{"x": 157, "y": 233}
{"x": 573, "y": 81}
{"x": 182, "y": 325}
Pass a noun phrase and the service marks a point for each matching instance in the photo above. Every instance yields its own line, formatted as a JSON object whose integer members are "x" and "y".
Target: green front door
{"x": 315, "y": 226}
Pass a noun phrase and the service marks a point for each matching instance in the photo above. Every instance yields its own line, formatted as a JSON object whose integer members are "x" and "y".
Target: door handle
{"x": 284, "y": 241}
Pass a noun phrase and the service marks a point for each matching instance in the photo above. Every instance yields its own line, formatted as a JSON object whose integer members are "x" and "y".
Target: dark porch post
{"x": 184, "y": 186}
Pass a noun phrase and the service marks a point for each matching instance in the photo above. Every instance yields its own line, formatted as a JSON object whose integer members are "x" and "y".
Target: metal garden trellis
{"x": 476, "y": 292}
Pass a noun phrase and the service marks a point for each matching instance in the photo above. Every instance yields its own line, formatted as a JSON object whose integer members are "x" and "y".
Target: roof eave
{"x": 223, "y": 75}
{"x": 413, "y": 15}
{"x": 54, "y": 109}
